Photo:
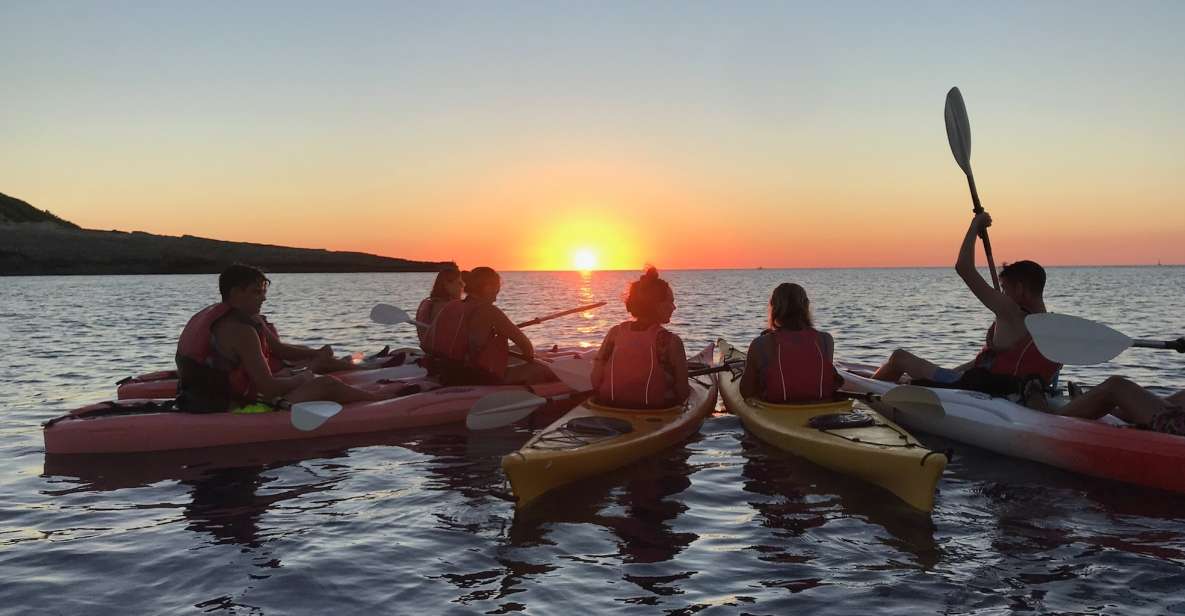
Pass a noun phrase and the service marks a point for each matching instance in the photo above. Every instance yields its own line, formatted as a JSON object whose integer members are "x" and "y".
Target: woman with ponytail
{"x": 791, "y": 362}
{"x": 640, "y": 363}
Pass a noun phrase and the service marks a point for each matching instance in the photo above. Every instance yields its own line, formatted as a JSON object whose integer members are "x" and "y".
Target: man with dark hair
{"x": 1009, "y": 357}
{"x": 281, "y": 354}
{"x": 225, "y": 358}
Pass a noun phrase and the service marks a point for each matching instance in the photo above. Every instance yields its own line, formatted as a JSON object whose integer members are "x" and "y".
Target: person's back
{"x": 640, "y": 363}
{"x": 791, "y": 362}
{"x": 468, "y": 341}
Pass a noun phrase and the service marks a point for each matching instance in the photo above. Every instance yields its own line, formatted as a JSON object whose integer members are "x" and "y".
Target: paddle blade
{"x": 1073, "y": 340}
{"x": 958, "y": 129}
{"x": 308, "y": 416}
{"x": 914, "y": 399}
{"x": 388, "y": 314}
{"x": 502, "y": 409}
{"x": 575, "y": 372}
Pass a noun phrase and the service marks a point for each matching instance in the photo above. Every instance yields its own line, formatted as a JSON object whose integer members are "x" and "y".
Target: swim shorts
{"x": 1169, "y": 422}
{"x": 946, "y": 376}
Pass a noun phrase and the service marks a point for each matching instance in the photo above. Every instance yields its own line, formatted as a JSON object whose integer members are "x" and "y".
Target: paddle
{"x": 905, "y": 398}
{"x": 1076, "y": 341}
{"x": 958, "y": 133}
{"x": 506, "y": 407}
{"x": 392, "y": 315}
{"x": 308, "y": 416}
{"x": 562, "y": 313}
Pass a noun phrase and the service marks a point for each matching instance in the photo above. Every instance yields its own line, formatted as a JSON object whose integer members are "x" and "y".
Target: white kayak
{"x": 1105, "y": 448}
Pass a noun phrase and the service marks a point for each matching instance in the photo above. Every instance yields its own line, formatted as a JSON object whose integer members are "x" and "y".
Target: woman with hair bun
{"x": 447, "y": 287}
{"x": 791, "y": 361}
{"x": 469, "y": 340}
{"x": 640, "y": 363}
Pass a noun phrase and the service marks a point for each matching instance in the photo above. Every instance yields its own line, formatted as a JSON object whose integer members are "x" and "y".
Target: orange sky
{"x": 810, "y": 136}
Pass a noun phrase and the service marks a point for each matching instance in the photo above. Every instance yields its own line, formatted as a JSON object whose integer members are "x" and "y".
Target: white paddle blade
{"x": 914, "y": 399}
{"x": 308, "y": 416}
{"x": 502, "y": 409}
{"x": 575, "y": 372}
{"x": 1073, "y": 340}
{"x": 958, "y": 129}
{"x": 388, "y": 314}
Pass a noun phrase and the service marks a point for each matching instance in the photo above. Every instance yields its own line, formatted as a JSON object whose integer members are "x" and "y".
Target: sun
{"x": 584, "y": 260}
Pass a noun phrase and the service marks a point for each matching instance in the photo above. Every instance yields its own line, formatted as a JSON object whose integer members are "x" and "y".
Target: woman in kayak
{"x": 791, "y": 361}
{"x": 469, "y": 338}
{"x": 640, "y": 363}
{"x": 1122, "y": 398}
{"x": 446, "y": 288}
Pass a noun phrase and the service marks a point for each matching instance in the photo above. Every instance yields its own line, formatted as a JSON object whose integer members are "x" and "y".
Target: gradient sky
{"x": 681, "y": 134}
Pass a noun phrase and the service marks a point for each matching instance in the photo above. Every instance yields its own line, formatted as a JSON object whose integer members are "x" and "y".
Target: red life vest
{"x": 1019, "y": 360}
{"x": 426, "y": 313}
{"x": 205, "y": 374}
{"x": 636, "y": 376}
{"x": 797, "y": 370}
{"x": 450, "y": 338}
{"x": 274, "y": 363}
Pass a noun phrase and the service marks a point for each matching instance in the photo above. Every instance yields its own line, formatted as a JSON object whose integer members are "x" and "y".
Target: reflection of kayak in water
{"x": 128, "y": 426}
{"x": 1099, "y": 448}
{"x": 592, "y": 439}
{"x": 163, "y": 384}
{"x": 871, "y": 447}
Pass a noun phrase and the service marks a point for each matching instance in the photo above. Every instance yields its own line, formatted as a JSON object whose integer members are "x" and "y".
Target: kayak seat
{"x": 839, "y": 421}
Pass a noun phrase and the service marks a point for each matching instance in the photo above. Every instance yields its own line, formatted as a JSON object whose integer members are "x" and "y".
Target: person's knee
{"x": 899, "y": 356}
{"x": 1117, "y": 383}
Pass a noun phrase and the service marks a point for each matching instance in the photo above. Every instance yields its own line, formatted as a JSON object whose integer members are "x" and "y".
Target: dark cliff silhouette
{"x": 34, "y": 241}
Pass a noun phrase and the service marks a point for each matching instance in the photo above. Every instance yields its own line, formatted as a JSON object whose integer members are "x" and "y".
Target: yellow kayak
{"x": 882, "y": 453}
{"x": 592, "y": 439}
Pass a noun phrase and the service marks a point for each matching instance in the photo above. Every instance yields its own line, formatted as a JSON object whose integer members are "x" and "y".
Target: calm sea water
{"x": 411, "y": 522}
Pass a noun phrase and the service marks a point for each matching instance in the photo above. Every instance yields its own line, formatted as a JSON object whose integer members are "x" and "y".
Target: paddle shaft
{"x": 1177, "y": 345}
{"x": 983, "y": 234}
{"x": 562, "y": 313}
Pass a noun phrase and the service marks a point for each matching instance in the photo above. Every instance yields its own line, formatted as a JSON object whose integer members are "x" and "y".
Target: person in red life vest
{"x": 223, "y": 355}
{"x": 791, "y": 362}
{"x": 1009, "y": 357}
{"x": 469, "y": 340}
{"x": 447, "y": 287}
{"x": 640, "y": 363}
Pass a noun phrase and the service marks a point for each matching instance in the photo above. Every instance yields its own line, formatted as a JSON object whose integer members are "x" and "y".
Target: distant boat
{"x": 760, "y": 268}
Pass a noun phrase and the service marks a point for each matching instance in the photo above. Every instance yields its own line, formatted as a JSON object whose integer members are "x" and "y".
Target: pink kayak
{"x": 163, "y": 384}
{"x": 129, "y": 426}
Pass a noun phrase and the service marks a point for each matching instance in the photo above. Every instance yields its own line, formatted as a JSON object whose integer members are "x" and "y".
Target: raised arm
{"x": 997, "y": 302}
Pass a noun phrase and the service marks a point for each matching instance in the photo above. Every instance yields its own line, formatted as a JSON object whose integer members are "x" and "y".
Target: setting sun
{"x": 584, "y": 259}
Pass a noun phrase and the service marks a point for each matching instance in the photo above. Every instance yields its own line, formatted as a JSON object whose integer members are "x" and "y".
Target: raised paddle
{"x": 506, "y": 407}
{"x": 1076, "y": 341}
{"x": 958, "y": 132}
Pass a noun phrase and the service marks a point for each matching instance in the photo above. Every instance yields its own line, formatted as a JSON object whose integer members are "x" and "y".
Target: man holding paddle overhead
{"x": 1009, "y": 357}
